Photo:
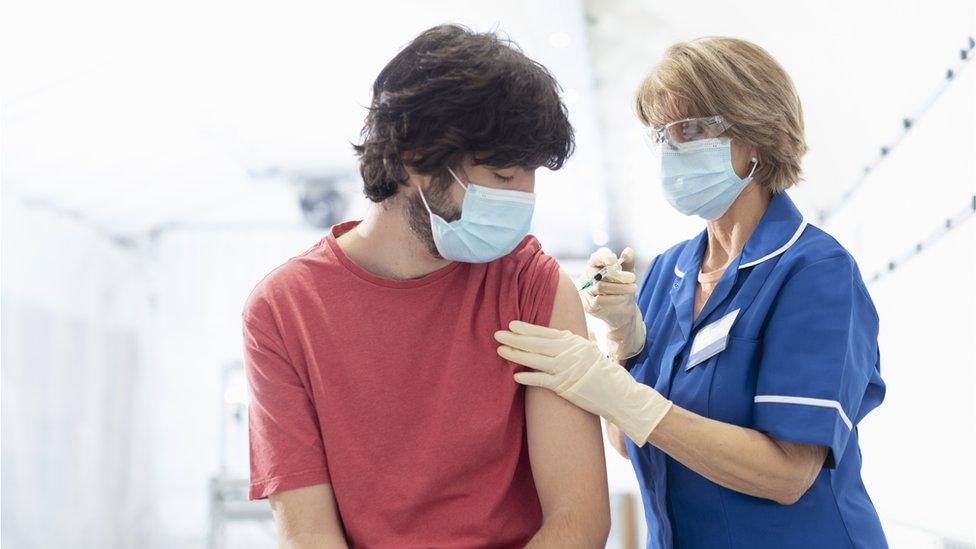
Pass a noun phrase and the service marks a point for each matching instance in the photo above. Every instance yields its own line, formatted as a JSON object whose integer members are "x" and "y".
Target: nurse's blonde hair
{"x": 740, "y": 81}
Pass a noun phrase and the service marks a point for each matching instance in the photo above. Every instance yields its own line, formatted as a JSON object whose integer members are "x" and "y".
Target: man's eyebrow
{"x": 495, "y": 167}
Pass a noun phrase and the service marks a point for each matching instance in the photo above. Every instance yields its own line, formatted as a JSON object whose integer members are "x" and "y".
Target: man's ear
{"x": 413, "y": 177}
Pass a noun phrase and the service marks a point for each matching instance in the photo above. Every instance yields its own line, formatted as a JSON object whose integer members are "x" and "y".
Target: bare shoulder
{"x": 565, "y": 442}
{"x": 543, "y": 407}
{"x": 567, "y": 308}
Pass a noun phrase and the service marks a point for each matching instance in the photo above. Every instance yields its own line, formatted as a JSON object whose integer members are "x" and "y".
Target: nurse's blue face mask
{"x": 492, "y": 223}
{"x": 699, "y": 179}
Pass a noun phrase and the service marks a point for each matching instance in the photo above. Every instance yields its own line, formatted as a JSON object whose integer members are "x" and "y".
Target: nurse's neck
{"x": 729, "y": 233}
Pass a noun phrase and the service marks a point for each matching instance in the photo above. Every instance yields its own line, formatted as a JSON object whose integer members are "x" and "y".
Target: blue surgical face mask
{"x": 698, "y": 178}
{"x": 493, "y": 222}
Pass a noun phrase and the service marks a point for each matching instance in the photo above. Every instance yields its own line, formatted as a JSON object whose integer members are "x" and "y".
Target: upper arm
{"x": 565, "y": 443}
{"x": 307, "y": 518}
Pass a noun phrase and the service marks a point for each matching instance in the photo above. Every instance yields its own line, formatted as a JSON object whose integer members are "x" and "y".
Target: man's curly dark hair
{"x": 452, "y": 92}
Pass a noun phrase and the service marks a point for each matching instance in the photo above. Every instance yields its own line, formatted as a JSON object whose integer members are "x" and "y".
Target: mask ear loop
{"x": 755, "y": 164}
{"x": 424, "y": 199}
{"x": 456, "y": 178}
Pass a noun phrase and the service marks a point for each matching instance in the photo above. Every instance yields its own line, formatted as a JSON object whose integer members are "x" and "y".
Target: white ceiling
{"x": 199, "y": 112}
{"x": 205, "y": 112}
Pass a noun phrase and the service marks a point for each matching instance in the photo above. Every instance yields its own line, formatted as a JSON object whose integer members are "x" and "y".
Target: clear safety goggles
{"x": 680, "y": 132}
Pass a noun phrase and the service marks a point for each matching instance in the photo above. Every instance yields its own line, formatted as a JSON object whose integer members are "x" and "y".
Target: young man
{"x": 381, "y": 414}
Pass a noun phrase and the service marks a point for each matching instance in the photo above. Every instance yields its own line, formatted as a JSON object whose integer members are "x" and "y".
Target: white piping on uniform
{"x": 792, "y": 240}
{"x": 808, "y": 402}
{"x": 678, "y": 273}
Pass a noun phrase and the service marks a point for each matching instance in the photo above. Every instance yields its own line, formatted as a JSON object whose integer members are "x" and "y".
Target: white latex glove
{"x": 612, "y": 301}
{"x": 575, "y": 369}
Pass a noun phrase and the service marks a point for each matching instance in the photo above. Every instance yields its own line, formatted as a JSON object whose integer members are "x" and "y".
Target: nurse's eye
{"x": 504, "y": 179}
{"x": 680, "y": 132}
{"x": 691, "y": 131}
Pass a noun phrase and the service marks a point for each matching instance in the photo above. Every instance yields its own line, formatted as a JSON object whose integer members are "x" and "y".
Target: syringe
{"x": 600, "y": 275}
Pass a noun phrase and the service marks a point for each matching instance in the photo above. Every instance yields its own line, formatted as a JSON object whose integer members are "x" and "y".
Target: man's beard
{"x": 438, "y": 194}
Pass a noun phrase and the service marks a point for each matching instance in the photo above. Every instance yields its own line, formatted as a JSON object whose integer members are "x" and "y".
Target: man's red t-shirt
{"x": 392, "y": 391}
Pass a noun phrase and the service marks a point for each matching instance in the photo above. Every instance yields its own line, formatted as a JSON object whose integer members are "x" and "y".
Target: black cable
{"x": 948, "y": 226}
{"x": 908, "y": 123}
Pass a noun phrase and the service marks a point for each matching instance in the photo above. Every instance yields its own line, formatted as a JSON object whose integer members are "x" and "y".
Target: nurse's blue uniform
{"x": 800, "y": 363}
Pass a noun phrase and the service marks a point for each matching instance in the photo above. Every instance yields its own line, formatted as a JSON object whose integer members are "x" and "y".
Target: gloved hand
{"x": 612, "y": 301}
{"x": 575, "y": 369}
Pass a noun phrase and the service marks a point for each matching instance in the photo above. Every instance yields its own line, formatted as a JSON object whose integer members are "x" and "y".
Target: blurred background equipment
{"x": 323, "y": 204}
{"x": 157, "y": 162}
{"x": 229, "y": 504}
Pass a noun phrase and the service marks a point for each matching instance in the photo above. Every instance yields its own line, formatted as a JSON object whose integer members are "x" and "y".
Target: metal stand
{"x": 228, "y": 489}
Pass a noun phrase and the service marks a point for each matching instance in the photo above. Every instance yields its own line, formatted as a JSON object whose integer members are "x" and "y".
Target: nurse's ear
{"x": 745, "y": 157}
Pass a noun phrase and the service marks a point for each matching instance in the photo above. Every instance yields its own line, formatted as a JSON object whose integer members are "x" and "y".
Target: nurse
{"x": 750, "y": 355}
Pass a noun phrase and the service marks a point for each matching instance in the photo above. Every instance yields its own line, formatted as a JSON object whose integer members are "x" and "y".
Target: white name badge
{"x": 711, "y": 340}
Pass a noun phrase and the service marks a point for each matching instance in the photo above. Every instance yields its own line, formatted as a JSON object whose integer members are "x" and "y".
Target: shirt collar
{"x": 779, "y": 228}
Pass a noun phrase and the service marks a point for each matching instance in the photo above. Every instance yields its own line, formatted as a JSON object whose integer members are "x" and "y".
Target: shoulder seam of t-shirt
{"x": 280, "y": 265}
{"x": 549, "y": 287}
{"x": 281, "y": 349}
{"x": 554, "y": 287}
{"x": 253, "y": 323}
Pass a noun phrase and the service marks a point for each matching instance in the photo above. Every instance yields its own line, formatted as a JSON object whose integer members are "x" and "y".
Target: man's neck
{"x": 729, "y": 233}
{"x": 384, "y": 245}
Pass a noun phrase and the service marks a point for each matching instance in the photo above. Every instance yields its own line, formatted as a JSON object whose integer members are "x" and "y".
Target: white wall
{"x": 919, "y": 446}
{"x": 76, "y": 452}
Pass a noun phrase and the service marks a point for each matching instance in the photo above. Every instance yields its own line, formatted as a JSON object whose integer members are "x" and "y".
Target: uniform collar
{"x": 779, "y": 228}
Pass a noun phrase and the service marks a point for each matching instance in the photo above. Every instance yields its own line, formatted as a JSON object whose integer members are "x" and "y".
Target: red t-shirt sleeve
{"x": 538, "y": 280}
{"x": 286, "y": 449}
